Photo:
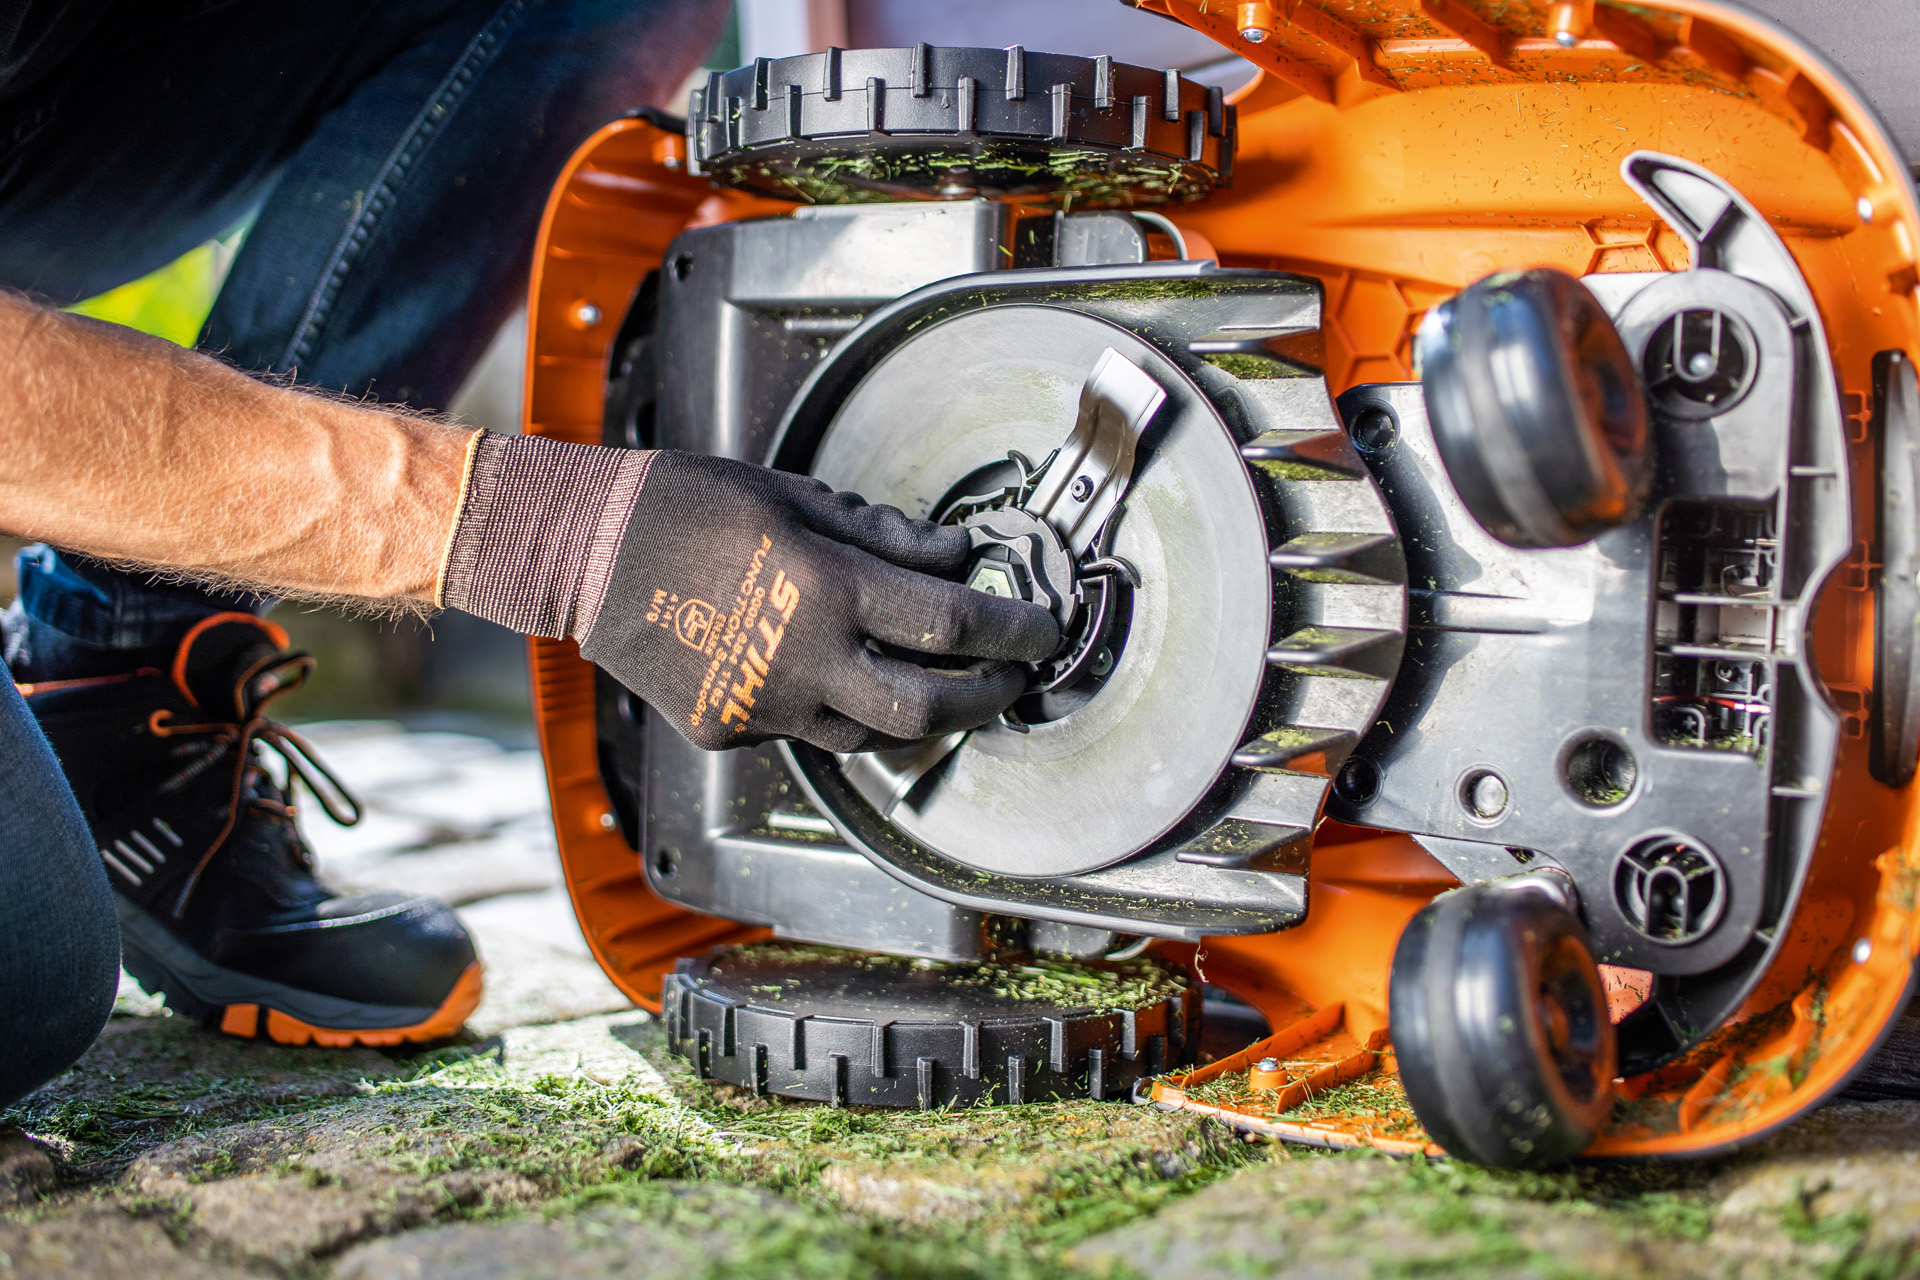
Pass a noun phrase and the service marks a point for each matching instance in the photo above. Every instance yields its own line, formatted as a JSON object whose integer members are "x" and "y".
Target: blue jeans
{"x": 399, "y": 154}
{"x": 59, "y": 937}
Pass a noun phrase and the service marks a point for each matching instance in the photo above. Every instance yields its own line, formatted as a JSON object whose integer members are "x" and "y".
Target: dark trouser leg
{"x": 401, "y": 234}
{"x": 59, "y": 937}
{"x": 414, "y": 143}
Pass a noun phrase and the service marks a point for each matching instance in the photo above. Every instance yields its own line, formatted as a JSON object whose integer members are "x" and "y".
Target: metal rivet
{"x": 1864, "y": 207}
{"x": 607, "y": 820}
{"x": 1082, "y": 489}
{"x": 1862, "y": 950}
{"x": 586, "y": 315}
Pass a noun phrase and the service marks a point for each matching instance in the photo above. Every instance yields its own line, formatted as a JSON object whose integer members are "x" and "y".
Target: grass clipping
{"x": 1102, "y": 986}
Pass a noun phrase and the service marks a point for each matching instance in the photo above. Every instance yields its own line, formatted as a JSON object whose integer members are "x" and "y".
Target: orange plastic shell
{"x": 1398, "y": 150}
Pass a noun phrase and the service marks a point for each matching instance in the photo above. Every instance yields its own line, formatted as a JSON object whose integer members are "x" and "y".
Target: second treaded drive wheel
{"x": 1500, "y": 1024}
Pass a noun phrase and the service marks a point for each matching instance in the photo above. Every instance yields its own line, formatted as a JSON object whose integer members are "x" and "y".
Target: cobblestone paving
{"x": 559, "y": 1140}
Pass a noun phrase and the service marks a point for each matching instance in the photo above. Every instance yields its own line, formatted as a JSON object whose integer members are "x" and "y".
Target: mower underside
{"x": 1341, "y": 635}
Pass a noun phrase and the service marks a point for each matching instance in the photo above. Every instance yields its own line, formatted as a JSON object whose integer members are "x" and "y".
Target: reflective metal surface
{"x": 1098, "y": 785}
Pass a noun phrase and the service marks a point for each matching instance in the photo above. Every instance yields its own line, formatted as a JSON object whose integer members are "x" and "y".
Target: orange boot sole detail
{"x": 250, "y": 1021}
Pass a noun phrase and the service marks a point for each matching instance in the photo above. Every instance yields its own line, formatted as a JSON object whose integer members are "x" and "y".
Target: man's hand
{"x": 743, "y": 599}
{"x": 739, "y": 601}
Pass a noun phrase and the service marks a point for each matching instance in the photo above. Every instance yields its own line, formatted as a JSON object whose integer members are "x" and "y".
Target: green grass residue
{"x": 1100, "y": 985}
{"x": 1255, "y": 368}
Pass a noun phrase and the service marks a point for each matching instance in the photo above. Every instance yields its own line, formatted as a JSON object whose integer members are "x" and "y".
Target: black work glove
{"x": 738, "y": 601}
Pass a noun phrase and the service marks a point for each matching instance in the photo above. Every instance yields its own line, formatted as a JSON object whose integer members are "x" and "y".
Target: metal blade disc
{"x": 1109, "y": 778}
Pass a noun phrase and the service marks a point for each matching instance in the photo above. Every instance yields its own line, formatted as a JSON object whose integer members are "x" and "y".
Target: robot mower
{"x": 1474, "y": 468}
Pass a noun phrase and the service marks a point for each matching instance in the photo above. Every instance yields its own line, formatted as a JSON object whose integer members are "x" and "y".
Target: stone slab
{"x": 707, "y": 1227}
{"x": 101, "y": 1242}
{"x": 1853, "y": 1163}
{"x": 538, "y": 968}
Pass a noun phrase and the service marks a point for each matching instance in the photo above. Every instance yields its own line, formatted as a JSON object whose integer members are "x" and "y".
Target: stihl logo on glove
{"x": 739, "y": 647}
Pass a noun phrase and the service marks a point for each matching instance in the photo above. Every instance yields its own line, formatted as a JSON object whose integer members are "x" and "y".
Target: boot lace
{"x": 261, "y": 685}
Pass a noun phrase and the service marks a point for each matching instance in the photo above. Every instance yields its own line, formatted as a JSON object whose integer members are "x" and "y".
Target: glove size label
{"x": 739, "y": 646}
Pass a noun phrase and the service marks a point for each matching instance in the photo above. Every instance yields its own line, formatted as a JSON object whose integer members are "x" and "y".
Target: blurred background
{"x": 458, "y": 673}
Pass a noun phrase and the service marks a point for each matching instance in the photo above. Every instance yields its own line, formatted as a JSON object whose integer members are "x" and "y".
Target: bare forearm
{"x": 125, "y": 447}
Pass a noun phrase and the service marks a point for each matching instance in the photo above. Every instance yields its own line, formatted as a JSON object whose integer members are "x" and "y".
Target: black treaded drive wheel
{"x": 856, "y": 125}
{"x": 846, "y": 1027}
{"x": 1500, "y": 1025}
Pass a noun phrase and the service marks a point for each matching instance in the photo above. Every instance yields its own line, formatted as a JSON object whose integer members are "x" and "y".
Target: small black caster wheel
{"x": 1500, "y": 1024}
{"x": 1536, "y": 407}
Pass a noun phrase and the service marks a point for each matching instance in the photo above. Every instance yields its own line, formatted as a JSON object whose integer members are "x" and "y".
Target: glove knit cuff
{"x": 540, "y": 525}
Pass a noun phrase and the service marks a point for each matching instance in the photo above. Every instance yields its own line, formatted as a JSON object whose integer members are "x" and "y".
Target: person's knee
{"x": 46, "y": 1029}
{"x": 60, "y": 983}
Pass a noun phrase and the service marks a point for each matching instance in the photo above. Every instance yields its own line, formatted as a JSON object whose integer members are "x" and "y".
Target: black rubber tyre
{"x": 856, "y": 125}
{"x": 1500, "y": 1025}
{"x": 1536, "y": 407}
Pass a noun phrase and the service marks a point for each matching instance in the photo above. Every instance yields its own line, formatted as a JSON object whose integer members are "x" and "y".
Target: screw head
{"x": 607, "y": 820}
{"x": 1081, "y": 489}
{"x": 1565, "y": 39}
{"x": 1374, "y": 429}
{"x": 1700, "y": 364}
{"x": 1254, "y": 35}
{"x": 994, "y": 580}
{"x": 586, "y": 315}
{"x": 1102, "y": 662}
{"x": 1862, "y": 950}
{"x": 1864, "y": 207}
{"x": 1267, "y": 1064}
{"x": 1487, "y": 795}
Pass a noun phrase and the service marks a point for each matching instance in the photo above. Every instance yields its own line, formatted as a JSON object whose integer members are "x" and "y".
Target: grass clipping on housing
{"x": 1102, "y": 986}
{"x": 1375, "y": 1104}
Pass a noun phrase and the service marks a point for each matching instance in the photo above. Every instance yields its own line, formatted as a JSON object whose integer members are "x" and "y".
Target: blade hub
{"x": 1020, "y": 555}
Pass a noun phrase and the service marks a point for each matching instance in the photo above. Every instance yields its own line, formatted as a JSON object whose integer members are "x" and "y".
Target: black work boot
{"x": 220, "y": 911}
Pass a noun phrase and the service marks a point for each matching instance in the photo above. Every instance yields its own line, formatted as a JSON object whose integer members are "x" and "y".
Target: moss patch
{"x": 1362, "y": 1214}
{"x": 149, "y": 1081}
